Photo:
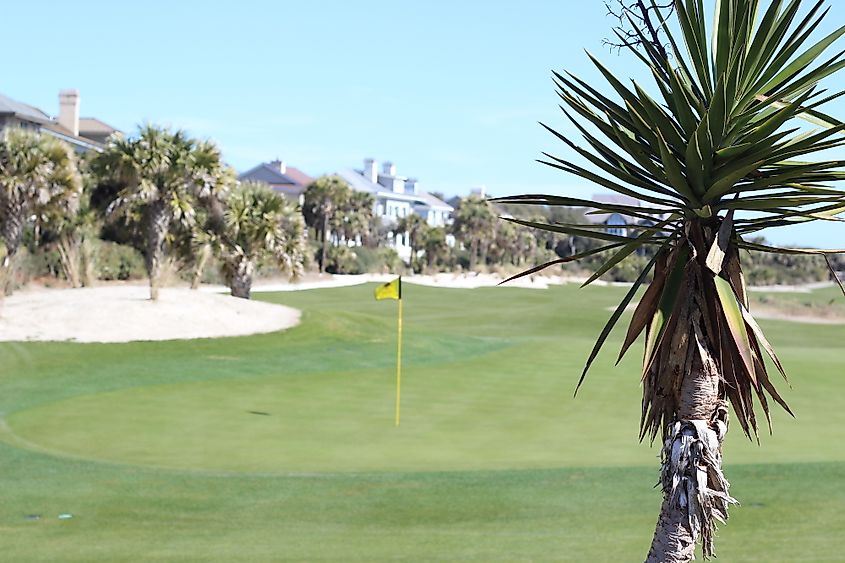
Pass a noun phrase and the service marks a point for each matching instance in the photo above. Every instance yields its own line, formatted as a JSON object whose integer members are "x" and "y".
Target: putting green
{"x": 495, "y": 400}
{"x": 318, "y": 423}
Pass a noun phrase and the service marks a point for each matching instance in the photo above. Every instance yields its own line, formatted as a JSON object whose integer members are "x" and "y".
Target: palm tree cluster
{"x": 38, "y": 174}
{"x": 339, "y": 217}
{"x": 172, "y": 194}
{"x": 717, "y": 149}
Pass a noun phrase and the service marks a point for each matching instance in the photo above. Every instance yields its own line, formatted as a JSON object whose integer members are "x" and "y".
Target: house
{"x": 282, "y": 178}
{"x": 397, "y": 197}
{"x": 82, "y": 133}
{"x": 618, "y": 223}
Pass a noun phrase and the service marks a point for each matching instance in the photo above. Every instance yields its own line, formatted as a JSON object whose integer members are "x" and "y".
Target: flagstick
{"x": 399, "y": 362}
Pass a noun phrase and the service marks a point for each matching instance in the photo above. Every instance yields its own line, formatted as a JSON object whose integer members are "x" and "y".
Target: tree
{"x": 356, "y": 220}
{"x": 38, "y": 174}
{"x": 415, "y": 227}
{"x": 473, "y": 224}
{"x": 729, "y": 135}
{"x": 435, "y": 246}
{"x": 322, "y": 199}
{"x": 259, "y": 225}
{"x": 161, "y": 174}
{"x": 72, "y": 230}
{"x": 214, "y": 180}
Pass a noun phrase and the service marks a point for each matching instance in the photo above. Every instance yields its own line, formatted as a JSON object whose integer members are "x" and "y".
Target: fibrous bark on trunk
{"x": 205, "y": 255}
{"x": 158, "y": 223}
{"x": 11, "y": 229}
{"x": 69, "y": 247}
{"x": 240, "y": 280}
{"x": 685, "y": 388}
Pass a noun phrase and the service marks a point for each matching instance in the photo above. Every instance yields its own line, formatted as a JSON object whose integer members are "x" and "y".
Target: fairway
{"x": 282, "y": 445}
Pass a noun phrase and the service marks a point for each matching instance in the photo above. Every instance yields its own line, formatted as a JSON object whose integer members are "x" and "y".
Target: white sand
{"x": 457, "y": 281}
{"x": 123, "y": 313}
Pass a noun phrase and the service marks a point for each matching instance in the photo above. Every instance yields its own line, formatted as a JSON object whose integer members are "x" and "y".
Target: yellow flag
{"x": 390, "y": 290}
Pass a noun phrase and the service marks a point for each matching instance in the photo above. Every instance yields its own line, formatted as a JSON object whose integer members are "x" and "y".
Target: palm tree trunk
{"x": 325, "y": 242}
{"x": 473, "y": 254}
{"x": 241, "y": 278}
{"x": 158, "y": 223}
{"x": 205, "y": 254}
{"x": 88, "y": 258}
{"x": 695, "y": 492}
{"x": 11, "y": 229}
{"x": 69, "y": 246}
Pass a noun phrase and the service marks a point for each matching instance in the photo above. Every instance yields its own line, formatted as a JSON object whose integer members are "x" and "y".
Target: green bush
{"x": 342, "y": 260}
{"x": 378, "y": 260}
{"x": 118, "y": 262}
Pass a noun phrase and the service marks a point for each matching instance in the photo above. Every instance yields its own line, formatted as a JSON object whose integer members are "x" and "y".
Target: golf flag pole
{"x": 399, "y": 361}
{"x": 393, "y": 290}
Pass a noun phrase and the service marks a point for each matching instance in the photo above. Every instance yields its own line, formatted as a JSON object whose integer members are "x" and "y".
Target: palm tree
{"x": 436, "y": 246}
{"x": 213, "y": 181}
{"x": 728, "y": 136}
{"x": 415, "y": 227}
{"x": 258, "y": 225}
{"x": 359, "y": 217}
{"x": 322, "y": 199}
{"x": 473, "y": 224}
{"x": 162, "y": 173}
{"x": 74, "y": 229}
{"x": 38, "y": 174}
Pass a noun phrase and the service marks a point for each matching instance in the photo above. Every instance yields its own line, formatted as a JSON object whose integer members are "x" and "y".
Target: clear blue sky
{"x": 451, "y": 92}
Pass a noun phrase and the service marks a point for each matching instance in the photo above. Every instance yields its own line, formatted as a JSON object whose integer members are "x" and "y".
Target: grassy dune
{"x": 282, "y": 446}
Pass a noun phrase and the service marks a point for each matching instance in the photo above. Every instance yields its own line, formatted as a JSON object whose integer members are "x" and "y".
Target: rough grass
{"x": 494, "y": 459}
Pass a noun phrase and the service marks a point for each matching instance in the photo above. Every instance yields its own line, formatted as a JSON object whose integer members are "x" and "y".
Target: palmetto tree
{"x": 436, "y": 246}
{"x": 163, "y": 173}
{"x": 38, "y": 174}
{"x": 725, "y": 134}
{"x": 415, "y": 227}
{"x": 323, "y": 198}
{"x": 473, "y": 224}
{"x": 358, "y": 221}
{"x": 258, "y": 225}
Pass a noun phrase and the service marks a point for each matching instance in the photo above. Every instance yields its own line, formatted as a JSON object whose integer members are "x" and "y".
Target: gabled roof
{"x": 267, "y": 173}
{"x": 92, "y": 125}
{"x": 57, "y": 130}
{"x": 431, "y": 201}
{"x": 298, "y": 176}
{"x": 358, "y": 182}
{"x": 9, "y": 106}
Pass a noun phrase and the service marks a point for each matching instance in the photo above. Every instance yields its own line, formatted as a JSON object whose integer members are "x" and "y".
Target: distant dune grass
{"x": 282, "y": 445}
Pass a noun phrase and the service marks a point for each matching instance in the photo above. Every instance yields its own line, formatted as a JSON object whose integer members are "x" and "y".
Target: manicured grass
{"x": 157, "y": 450}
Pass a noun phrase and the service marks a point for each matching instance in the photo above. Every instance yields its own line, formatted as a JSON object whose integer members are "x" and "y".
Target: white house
{"x": 619, "y": 223}
{"x": 396, "y": 197}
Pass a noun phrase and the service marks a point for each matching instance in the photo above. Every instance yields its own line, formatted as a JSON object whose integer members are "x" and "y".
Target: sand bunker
{"x": 125, "y": 313}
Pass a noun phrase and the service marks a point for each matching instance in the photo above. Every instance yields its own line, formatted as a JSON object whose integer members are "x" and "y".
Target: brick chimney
{"x": 69, "y": 110}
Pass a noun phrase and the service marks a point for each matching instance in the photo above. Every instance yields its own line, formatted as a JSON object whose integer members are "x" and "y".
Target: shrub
{"x": 118, "y": 262}
{"x": 378, "y": 260}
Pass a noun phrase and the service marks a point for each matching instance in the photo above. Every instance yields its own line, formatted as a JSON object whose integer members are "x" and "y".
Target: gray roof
{"x": 22, "y": 110}
{"x": 617, "y": 199}
{"x": 432, "y": 201}
{"x": 358, "y": 182}
{"x": 269, "y": 174}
